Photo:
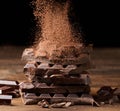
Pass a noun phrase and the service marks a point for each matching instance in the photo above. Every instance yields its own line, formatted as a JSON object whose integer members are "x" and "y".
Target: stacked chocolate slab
{"x": 8, "y": 89}
{"x": 60, "y": 76}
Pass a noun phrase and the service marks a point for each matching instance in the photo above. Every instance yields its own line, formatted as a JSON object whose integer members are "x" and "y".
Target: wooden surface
{"x": 105, "y": 72}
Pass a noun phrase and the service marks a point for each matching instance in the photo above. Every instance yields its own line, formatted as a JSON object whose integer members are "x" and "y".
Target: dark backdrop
{"x": 97, "y": 20}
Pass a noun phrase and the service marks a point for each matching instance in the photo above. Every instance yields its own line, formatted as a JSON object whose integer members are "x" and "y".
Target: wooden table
{"x": 105, "y": 72}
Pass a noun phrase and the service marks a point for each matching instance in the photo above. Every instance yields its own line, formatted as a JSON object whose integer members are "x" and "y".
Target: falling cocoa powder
{"x": 54, "y": 28}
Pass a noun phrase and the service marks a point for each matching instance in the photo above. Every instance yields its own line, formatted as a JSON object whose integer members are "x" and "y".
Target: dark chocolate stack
{"x": 8, "y": 89}
{"x": 62, "y": 76}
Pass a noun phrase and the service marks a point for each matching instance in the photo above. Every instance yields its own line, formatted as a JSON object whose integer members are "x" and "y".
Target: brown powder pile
{"x": 54, "y": 27}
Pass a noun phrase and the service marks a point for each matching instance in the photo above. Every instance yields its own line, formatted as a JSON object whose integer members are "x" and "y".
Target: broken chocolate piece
{"x": 43, "y": 103}
{"x": 5, "y": 99}
{"x": 10, "y": 83}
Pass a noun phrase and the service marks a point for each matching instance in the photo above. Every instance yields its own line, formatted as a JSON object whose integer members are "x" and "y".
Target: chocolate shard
{"x": 6, "y": 89}
{"x": 43, "y": 103}
{"x": 5, "y": 99}
{"x": 26, "y": 85}
{"x": 30, "y": 66}
{"x": 30, "y": 101}
{"x": 58, "y": 105}
{"x": 9, "y": 83}
{"x": 14, "y": 94}
{"x": 28, "y": 54}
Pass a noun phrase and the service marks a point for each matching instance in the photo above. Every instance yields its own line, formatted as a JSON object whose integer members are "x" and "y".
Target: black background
{"x": 98, "y": 21}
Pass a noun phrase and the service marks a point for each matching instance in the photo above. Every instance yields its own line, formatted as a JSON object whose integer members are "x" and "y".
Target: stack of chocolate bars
{"x": 61, "y": 76}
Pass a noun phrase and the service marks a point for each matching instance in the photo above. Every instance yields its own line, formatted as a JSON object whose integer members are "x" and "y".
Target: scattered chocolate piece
{"x": 58, "y": 105}
{"x": 30, "y": 101}
{"x": 8, "y": 89}
{"x": 43, "y": 103}
{"x": 105, "y": 94}
{"x": 5, "y": 99}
